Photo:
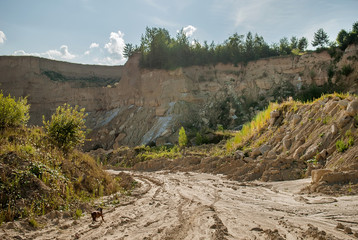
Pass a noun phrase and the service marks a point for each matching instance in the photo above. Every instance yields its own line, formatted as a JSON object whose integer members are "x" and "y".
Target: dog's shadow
{"x": 95, "y": 224}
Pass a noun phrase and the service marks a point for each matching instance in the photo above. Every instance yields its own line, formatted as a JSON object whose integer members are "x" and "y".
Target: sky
{"x": 96, "y": 31}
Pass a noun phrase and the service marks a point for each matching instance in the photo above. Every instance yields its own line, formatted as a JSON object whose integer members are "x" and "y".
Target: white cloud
{"x": 63, "y": 53}
{"x": 91, "y": 49}
{"x": 189, "y": 30}
{"x": 110, "y": 54}
{"x": 114, "y": 49}
{"x": 23, "y": 53}
{"x": 116, "y": 43}
{"x": 94, "y": 45}
{"x": 52, "y": 54}
{"x": 2, "y": 37}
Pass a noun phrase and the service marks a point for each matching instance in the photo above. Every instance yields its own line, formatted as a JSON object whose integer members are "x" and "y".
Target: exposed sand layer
{"x": 203, "y": 206}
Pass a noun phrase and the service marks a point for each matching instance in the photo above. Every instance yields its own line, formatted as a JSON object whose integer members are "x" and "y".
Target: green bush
{"x": 346, "y": 70}
{"x": 330, "y": 71}
{"x": 33, "y": 222}
{"x": 77, "y": 214}
{"x": 13, "y": 113}
{"x": 220, "y": 127}
{"x": 67, "y": 127}
{"x": 350, "y": 141}
{"x": 183, "y": 140}
{"x": 342, "y": 146}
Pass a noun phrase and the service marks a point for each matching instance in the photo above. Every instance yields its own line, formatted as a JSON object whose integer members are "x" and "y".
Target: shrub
{"x": 295, "y": 51}
{"x": 201, "y": 139}
{"x": 159, "y": 152}
{"x": 356, "y": 120}
{"x": 350, "y": 141}
{"x": 77, "y": 214}
{"x": 313, "y": 74}
{"x": 198, "y": 139}
{"x": 341, "y": 146}
{"x": 346, "y": 70}
{"x": 33, "y": 223}
{"x": 13, "y": 113}
{"x": 183, "y": 140}
{"x": 330, "y": 71}
{"x": 66, "y": 129}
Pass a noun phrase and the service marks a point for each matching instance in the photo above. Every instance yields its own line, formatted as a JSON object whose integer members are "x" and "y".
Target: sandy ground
{"x": 203, "y": 206}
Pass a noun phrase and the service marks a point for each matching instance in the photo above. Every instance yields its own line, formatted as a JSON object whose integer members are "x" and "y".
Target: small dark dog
{"x": 97, "y": 214}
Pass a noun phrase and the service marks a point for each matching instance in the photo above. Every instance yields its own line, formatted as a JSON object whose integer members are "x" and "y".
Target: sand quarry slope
{"x": 259, "y": 197}
{"x": 177, "y": 205}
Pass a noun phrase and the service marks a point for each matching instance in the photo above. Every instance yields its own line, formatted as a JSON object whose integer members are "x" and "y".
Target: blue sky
{"x": 95, "y": 31}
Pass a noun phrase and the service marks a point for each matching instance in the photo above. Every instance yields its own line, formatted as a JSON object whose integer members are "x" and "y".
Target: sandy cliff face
{"x": 129, "y": 106}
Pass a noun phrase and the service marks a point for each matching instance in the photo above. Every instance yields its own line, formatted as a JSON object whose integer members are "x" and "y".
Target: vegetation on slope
{"x": 81, "y": 82}
{"x": 284, "y": 142}
{"x": 37, "y": 175}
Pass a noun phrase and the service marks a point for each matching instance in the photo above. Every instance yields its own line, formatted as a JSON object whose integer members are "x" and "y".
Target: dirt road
{"x": 203, "y": 206}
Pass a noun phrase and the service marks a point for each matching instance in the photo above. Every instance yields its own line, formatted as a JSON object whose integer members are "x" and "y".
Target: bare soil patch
{"x": 177, "y": 205}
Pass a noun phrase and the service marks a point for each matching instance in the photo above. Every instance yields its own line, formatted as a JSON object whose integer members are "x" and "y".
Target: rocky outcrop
{"x": 127, "y": 105}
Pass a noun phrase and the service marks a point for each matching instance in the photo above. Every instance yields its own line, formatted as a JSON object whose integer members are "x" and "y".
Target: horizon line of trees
{"x": 159, "y": 50}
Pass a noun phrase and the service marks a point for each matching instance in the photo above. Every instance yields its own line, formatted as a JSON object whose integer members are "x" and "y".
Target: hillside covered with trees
{"x": 161, "y": 51}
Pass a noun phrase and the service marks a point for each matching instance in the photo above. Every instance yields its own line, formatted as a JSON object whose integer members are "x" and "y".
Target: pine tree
{"x": 320, "y": 38}
{"x": 302, "y": 44}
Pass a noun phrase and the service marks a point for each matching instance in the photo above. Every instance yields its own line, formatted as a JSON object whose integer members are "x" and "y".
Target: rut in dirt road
{"x": 203, "y": 206}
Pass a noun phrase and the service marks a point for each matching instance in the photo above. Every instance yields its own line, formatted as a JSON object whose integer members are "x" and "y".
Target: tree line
{"x": 159, "y": 50}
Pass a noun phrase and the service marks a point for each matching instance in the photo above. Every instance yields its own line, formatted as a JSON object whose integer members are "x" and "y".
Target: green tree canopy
{"x": 294, "y": 42}
{"x": 302, "y": 44}
{"x": 342, "y": 39}
{"x": 129, "y": 50}
{"x": 355, "y": 27}
{"x": 345, "y": 38}
{"x": 159, "y": 50}
{"x": 284, "y": 46}
{"x": 320, "y": 38}
{"x": 155, "y": 47}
